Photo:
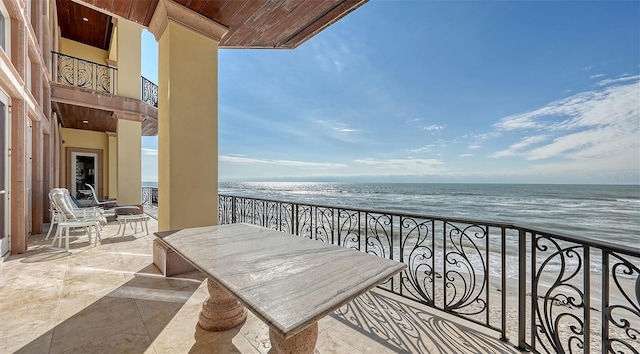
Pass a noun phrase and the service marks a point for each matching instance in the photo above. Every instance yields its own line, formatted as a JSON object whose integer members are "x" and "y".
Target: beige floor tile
{"x": 257, "y": 333}
{"x": 128, "y": 342}
{"x": 365, "y": 342}
{"x": 108, "y": 317}
{"x": 328, "y": 344}
{"x": 30, "y": 341}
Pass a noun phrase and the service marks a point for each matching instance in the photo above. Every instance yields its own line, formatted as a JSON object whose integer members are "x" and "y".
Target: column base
{"x": 302, "y": 343}
{"x": 221, "y": 311}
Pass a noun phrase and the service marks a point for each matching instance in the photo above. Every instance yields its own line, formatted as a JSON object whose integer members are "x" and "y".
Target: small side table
{"x": 134, "y": 219}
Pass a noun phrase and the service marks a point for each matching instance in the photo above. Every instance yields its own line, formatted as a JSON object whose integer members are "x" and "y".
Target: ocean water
{"x": 602, "y": 212}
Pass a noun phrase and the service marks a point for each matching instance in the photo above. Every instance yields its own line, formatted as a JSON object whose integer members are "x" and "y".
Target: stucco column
{"x": 129, "y": 129}
{"x": 187, "y": 116}
{"x": 129, "y": 49}
{"x": 129, "y": 169}
{"x": 113, "y": 166}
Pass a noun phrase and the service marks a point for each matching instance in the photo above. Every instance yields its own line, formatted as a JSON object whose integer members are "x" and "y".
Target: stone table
{"x": 287, "y": 281}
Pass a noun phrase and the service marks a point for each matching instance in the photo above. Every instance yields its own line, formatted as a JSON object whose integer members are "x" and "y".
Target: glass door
{"x": 4, "y": 179}
{"x": 84, "y": 171}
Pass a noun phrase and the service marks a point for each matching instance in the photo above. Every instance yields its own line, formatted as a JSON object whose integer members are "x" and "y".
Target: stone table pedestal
{"x": 221, "y": 311}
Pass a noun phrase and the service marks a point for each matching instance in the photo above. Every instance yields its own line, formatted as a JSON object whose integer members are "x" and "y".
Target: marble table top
{"x": 287, "y": 281}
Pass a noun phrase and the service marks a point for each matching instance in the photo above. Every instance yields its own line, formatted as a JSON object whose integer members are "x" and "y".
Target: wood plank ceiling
{"x": 251, "y": 23}
{"x": 83, "y": 24}
{"x": 86, "y": 118}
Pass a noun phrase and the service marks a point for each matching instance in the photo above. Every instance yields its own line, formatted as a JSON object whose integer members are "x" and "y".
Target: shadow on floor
{"x": 405, "y": 328}
{"x": 127, "y": 319}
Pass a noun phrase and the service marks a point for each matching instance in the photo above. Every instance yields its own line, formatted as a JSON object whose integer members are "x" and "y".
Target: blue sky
{"x": 437, "y": 91}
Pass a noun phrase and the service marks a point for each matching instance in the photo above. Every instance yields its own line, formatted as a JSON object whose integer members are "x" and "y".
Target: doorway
{"x": 84, "y": 167}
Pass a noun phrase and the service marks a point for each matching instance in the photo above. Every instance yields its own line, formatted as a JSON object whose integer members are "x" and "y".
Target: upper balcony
{"x": 84, "y": 94}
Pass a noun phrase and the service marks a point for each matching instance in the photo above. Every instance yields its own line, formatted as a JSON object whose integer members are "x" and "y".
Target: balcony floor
{"x": 111, "y": 299}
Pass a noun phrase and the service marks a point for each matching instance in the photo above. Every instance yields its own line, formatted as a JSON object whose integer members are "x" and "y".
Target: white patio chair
{"x": 105, "y": 203}
{"x": 56, "y": 217}
{"x": 70, "y": 217}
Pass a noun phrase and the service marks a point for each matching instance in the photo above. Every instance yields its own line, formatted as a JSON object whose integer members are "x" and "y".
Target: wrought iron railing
{"x": 545, "y": 291}
{"x": 82, "y": 73}
{"x": 149, "y": 92}
{"x": 150, "y": 196}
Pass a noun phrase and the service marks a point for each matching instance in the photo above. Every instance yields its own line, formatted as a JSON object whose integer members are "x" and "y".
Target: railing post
{"x": 587, "y": 298}
{"x": 503, "y": 280}
{"x": 294, "y": 217}
{"x": 522, "y": 289}
{"x": 233, "y": 210}
{"x": 605, "y": 302}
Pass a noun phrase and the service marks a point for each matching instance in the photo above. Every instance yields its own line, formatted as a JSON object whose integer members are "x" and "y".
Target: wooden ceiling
{"x": 75, "y": 117}
{"x": 87, "y": 118}
{"x": 251, "y": 23}
{"x": 95, "y": 31}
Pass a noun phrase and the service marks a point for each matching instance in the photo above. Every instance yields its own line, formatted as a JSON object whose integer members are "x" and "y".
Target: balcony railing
{"x": 150, "y": 196}
{"x": 149, "y": 92}
{"x": 83, "y": 73}
{"x": 547, "y": 292}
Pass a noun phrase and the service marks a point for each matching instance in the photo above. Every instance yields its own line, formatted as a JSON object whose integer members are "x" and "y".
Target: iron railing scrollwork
{"x": 150, "y": 196}
{"x": 571, "y": 294}
{"x": 82, "y": 73}
{"x": 149, "y": 92}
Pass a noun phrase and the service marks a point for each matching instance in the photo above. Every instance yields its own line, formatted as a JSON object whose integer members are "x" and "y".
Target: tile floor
{"x": 111, "y": 299}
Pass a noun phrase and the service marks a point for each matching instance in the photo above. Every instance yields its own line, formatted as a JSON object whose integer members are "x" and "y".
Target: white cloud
{"x": 596, "y": 76}
{"x": 336, "y": 126}
{"x": 583, "y": 109}
{"x": 289, "y": 163}
{"x": 422, "y": 149}
{"x": 433, "y": 127}
{"x": 515, "y": 148}
{"x": 589, "y": 131}
{"x": 466, "y": 155}
{"x": 474, "y": 146}
{"x": 149, "y": 152}
{"x": 617, "y": 80}
{"x": 400, "y": 166}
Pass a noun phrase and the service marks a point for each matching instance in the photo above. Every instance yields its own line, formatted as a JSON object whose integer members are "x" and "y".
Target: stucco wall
{"x": 76, "y": 138}
{"x": 83, "y": 51}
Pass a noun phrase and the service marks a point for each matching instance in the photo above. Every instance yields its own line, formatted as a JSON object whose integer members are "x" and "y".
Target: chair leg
{"x": 53, "y": 221}
{"x": 66, "y": 242}
{"x": 97, "y": 233}
{"x": 146, "y": 225}
{"x": 56, "y": 236}
{"x": 87, "y": 229}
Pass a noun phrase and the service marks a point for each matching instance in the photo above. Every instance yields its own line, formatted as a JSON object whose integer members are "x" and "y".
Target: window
{"x": 2, "y": 34}
{"x": 5, "y": 29}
